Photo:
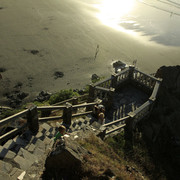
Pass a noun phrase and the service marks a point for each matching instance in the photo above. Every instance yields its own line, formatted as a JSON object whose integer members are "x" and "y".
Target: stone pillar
{"x": 114, "y": 80}
{"x": 109, "y": 103}
{"x": 91, "y": 97}
{"x": 128, "y": 133}
{"x": 131, "y": 70}
{"x": 32, "y": 119}
{"x": 67, "y": 114}
{"x": 75, "y": 102}
{"x": 91, "y": 93}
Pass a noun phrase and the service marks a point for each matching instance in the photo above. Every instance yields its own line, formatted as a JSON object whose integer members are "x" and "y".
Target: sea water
{"x": 159, "y": 20}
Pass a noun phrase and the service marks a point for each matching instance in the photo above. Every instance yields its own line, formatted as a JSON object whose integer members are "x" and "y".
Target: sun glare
{"x": 111, "y": 11}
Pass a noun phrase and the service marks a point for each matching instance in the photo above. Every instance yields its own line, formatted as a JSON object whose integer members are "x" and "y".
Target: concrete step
{"x": 79, "y": 123}
{"x": 23, "y": 163}
{"x": 5, "y": 176}
{"x": 9, "y": 144}
{"x": 15, "y": 173}
{"x": 24, "y": 151}
{"x": 6, "y": 154}
{"x": 27, "y": 155}
{"x": 5, "y": 167}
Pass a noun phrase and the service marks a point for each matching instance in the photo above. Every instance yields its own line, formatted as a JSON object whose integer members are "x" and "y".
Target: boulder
{"x": 43, "y": 96}
{"x": 65, "y": 160}
{"x": 118, "y": 66}
{"x": 2, "y": 69}
{"x": 58, "y": 74}
{"x": 95, "y": 77}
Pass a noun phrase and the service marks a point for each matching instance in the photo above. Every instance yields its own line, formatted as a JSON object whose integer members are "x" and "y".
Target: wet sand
{"x": 64, "y": 36}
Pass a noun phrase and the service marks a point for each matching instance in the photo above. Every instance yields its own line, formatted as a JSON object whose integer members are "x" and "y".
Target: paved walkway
{"x": 125, "y": 101}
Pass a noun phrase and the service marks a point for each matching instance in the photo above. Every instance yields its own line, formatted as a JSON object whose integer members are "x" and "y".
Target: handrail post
{"x": 128, "y": 132}
{"x": 110, "y": 95}
{"x": 131, "y": 71}
{"x": 114, "y": 80}
{"x": 74, "y": 102}
{"x": 32, "y": 119}
{"x": 91, "y": 92}
{"x": 67, "y": 114}
{"x": 91, "y": 96}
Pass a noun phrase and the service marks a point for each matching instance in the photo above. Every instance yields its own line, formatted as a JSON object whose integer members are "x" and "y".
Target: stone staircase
{"x": 80, "y": 123}
{"x": 26, "y": 154}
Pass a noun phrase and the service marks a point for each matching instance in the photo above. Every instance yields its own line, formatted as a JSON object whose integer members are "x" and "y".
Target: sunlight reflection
{"x": 112, "y": 13}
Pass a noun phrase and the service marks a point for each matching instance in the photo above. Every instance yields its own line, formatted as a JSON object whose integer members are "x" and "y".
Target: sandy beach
{"x": 38, "y": 38}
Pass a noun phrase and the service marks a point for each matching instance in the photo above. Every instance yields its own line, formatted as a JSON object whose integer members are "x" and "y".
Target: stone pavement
{"x": 25, "y": 154}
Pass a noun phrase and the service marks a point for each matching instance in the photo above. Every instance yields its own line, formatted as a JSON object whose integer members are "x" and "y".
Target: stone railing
{"x": 122, "y": 122}
{"x": 31, "y": 119}
{"x": 105, "y": 83}
{"x": 103, "y": 90}
{"x": 122, "y": 76}
{"x": 69, "y": 111}
{"x": 144, "y": 79}
{"x": 145, "y": 109}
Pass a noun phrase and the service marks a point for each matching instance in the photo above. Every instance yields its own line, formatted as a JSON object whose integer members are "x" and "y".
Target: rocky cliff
{"x": 162, "y": 128}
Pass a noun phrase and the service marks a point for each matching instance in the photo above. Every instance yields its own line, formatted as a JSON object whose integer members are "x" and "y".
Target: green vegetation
{"x": 117, "y": 143}
{"x": 103, "y": 157}
{"x": 139, "y": 156}
{"x": 7, "y": 113}
{"x": 95, "y": 80}
{"x": 62, "y": 95}
{"x": 125, "y": 164}
{"x": 57, "y": 97}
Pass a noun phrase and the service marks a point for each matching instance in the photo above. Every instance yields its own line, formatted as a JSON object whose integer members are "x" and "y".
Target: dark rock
{"x": 109, "y": 172}
{"x": 118, "y": 65}
{"x": 30, "y": 78}
{"x": 43, "y": 96}
{"x": 2, "y": 69}
{"x": 15, "y": 97}
{"x": 18, "y": 85}
{"x": 65, "y": 161}
{"x": 81, "y": 91}
{"x": 58, "y": 74}
{"x": 95, "y": 77}
{"x": 34, "y": 52}
{"x": 16, "y": 91}
{"x": 6, "y": 94}
{"x": 22, "y": 95}
{"x": 103, "y": 177}
{"x": 163, "y": 123}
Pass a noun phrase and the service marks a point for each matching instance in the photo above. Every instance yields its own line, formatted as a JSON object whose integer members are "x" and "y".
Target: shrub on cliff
{"x": 62, "y": 95}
